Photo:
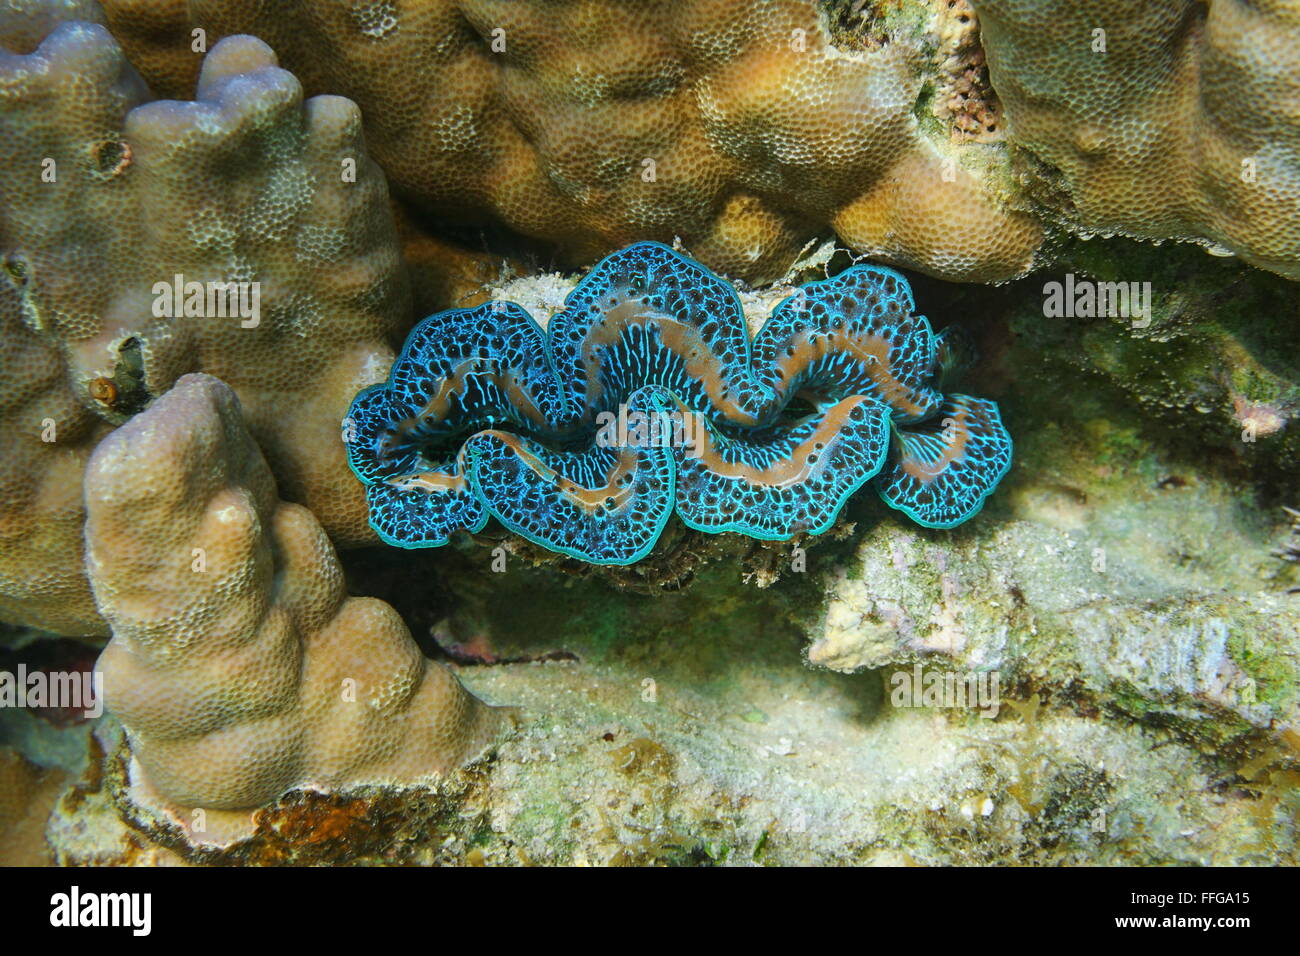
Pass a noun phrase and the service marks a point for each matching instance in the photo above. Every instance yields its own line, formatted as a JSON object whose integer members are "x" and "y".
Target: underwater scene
{"x": 643, "y": 433}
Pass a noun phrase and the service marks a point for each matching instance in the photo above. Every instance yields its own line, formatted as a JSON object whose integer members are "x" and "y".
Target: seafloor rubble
{"x": 1130, "y": 584}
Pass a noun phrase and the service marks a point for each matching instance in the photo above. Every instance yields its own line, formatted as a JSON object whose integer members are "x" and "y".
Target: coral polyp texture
{"x": 42, "y": 583}
{"x": 245, "y": 234}
{"x": 923, "y": 134}
{"x": 646, "y": 394}
{"x": 239, "y": 665}
{"x": 742, "y": 127}
{"x": 1163, "y": 119}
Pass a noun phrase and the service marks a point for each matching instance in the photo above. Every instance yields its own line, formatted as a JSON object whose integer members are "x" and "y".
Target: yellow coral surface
{"x": 1166, "y": 119}
{"x": 742, "y": 127}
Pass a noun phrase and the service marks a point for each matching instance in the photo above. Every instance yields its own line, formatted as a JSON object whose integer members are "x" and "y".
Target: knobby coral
{"x": 47, "y": 436}
{"x": 646, "y": 393}
{"x": 744, "y": 127}
{"x": 114, "y": 210}
{"x": 1163, "y": 119}
{"x": 239, "y": 666}
{"x": 764, "y": 121}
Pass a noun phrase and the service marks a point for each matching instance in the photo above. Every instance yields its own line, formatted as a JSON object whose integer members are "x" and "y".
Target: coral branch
{"x": 113, "y": 209}
{"x": 238, "y": 665}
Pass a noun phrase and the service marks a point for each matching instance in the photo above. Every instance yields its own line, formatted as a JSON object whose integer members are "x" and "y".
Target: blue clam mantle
{"x": 485, "y": 414}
